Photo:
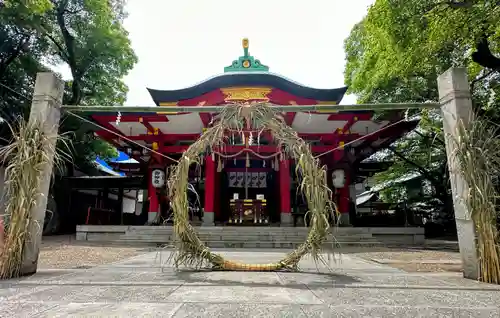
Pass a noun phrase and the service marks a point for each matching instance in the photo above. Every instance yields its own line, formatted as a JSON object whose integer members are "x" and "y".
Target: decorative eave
{"x": 246, "y": 74}
{"x": 251, "y": 79}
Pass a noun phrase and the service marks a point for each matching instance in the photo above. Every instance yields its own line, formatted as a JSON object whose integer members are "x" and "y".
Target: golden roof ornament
{"x": 246, "y": 63}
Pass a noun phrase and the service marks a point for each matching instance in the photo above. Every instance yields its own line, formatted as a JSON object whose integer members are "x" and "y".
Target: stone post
{"x": 45, "y": 109}
{"x": 456, "y": 107}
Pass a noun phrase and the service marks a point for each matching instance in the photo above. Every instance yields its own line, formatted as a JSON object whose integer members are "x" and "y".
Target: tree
{"x": 395, "y": 55}
{"x": 89, "y": 37}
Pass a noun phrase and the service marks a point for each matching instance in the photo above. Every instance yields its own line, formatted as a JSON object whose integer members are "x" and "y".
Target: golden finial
{"x": 245, "y": 44}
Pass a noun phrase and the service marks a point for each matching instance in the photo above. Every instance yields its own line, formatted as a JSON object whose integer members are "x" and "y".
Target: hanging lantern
{"x": 158, "y": 178}
{"x": 338, "y": 178}
{"x": 118, "y": 118}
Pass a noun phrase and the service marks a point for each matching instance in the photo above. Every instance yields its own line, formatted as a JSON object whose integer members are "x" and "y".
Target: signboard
{"x": 252, "y": 180}
{"x": 158, "y": 178}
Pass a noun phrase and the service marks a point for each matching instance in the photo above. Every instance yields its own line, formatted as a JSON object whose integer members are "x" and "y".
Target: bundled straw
{"x": 191, "y": 251}
{"x": 477, "y": 153}
{"x": 26, "y": 157}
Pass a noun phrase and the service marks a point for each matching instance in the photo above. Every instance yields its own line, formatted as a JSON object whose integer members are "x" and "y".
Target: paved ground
{"x": 142, "y": 286}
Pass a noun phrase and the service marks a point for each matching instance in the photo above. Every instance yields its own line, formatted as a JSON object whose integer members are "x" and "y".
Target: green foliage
{"x": 395, "y": 55}
{"x": 413, "y": 42}
{"x": 86, "y": 35}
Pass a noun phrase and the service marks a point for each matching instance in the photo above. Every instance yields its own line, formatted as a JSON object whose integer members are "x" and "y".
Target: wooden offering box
{"x": 248, "y": 211}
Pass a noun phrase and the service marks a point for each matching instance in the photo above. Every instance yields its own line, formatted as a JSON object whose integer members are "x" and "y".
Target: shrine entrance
{"x": 249, "y": 193}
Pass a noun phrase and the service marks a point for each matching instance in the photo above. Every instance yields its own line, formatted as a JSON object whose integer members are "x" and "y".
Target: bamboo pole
{"x": 215, "y": 109}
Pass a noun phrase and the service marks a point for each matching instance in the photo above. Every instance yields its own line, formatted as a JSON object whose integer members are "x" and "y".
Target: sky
{"x": 182, "y": 43}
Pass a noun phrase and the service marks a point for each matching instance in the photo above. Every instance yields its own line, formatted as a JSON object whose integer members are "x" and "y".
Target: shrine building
{"x": 249, "y": 181}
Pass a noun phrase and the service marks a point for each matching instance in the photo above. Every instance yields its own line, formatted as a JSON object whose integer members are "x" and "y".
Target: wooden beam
{"x": 214, "y": 109}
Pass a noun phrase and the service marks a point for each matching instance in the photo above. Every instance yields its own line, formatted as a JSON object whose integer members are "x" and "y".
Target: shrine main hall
{"x": 249, "y": 180}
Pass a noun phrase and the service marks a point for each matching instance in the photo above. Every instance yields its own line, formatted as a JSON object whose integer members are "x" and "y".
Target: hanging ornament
{"x": 234, "y": 161}
{"x": 263, "y": 163}
{"x": 118, "y": 118}
{"x": 248, "y": 161}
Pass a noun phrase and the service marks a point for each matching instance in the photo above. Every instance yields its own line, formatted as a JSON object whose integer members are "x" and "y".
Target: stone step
{"x": 249, "y": 237}
{"x": 234, "y": 241}
{"x": 277, "y": 245}
{"x": 240, "y": 229}
{"x": 250, "y": 233}
{"x": 169, "y": 239}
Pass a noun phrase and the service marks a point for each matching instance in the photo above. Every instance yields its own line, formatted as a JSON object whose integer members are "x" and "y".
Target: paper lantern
{"x": 158, "y": 178}
{"x": 338, "y": 178}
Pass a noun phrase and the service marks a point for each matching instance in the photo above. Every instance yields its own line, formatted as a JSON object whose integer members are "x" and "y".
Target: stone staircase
{"x": 249, "y": 237}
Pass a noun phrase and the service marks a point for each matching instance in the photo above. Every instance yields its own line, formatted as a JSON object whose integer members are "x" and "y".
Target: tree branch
{"x": 14, "y": 54}
{"x": 479, "y": 79}
{"x": 483, "y": 55}
{"x": 452, "y": 4}
{"x": 433, "y": 137}
{"x": 62, "y": 51}
{"x": 70, "y": 46}
{"x": 422, "y": 170}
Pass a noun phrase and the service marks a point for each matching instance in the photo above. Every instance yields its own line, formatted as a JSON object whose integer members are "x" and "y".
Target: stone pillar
{"x": 45, "y": 110}
{"x": 456, "y": 106}
{"x": 284, "y": 178}
{"x": 208, "y": 211}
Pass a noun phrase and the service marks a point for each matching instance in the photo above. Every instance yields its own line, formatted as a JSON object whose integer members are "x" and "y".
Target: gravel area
{"x": 63, "y": 251}
{"x": 411, "y": 260}
{"x": 415, "y": 267}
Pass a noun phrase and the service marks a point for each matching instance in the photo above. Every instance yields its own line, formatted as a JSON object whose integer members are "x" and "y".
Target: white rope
{"x": 121, "y": 136}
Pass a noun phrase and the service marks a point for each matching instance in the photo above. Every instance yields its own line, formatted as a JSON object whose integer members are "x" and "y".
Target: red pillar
{"x": 152, "y": 198}
{"x": 217, "y": 194}
{"x": 210, "y": 171}
{"x": 284, "y": 178}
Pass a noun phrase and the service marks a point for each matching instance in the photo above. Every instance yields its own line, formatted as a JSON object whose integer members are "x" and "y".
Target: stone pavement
{"x": 144, "y": 286}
